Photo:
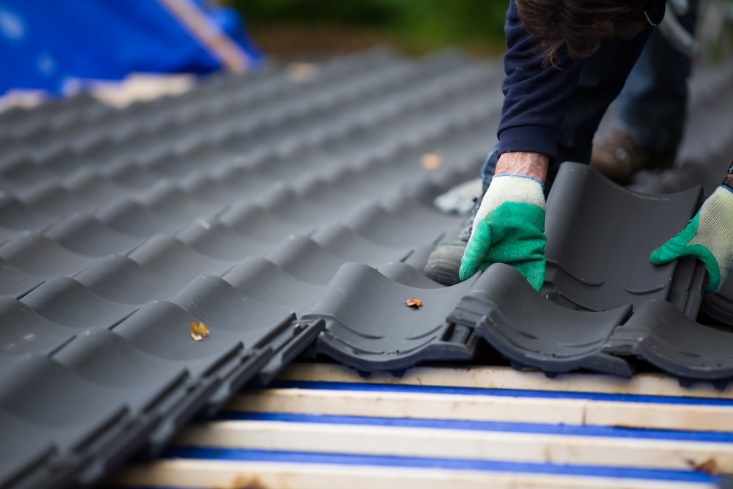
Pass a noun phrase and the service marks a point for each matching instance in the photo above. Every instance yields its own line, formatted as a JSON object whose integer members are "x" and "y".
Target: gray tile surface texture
{"x": 283, "y": 214}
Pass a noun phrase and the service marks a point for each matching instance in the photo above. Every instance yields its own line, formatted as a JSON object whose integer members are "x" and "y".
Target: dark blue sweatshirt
{"x": 536, "y": 98}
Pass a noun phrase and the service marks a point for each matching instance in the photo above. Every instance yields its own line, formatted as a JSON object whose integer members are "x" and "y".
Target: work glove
{"x": 509, "y": 227}
{"x": 708, "y": 236}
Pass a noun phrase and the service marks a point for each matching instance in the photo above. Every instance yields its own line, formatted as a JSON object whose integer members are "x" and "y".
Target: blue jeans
{"x": 642, "y": 96}
{"x": 653, "y": 104}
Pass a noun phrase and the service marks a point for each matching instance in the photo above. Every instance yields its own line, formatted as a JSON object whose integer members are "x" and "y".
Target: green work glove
{"x": 708, "y": 236}
{"x": 509, "y": 227}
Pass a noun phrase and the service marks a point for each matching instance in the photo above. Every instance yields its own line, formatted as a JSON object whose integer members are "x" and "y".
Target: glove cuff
{"x": 507, "y": 187}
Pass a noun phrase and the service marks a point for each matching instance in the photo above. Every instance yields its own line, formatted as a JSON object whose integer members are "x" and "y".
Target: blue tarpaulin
{"x": 44, "y": 44}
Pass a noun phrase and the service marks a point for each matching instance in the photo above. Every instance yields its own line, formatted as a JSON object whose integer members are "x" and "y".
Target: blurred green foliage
{"x": 420, "y": 24}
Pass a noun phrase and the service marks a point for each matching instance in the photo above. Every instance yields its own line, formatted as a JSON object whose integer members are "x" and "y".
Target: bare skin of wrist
{"x": 521, "y": 163}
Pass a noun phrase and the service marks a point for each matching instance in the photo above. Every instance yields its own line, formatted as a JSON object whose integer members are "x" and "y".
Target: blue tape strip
{"x": 471, "y": 391}
{"x": 225, "y": 454}
{"x": 538, "y": 428}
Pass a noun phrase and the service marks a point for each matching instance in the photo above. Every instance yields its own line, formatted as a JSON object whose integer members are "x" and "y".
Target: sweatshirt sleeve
{"x": 535, "y": 97}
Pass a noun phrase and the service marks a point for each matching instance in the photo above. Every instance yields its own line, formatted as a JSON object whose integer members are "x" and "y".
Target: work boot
{"x": 445, "y": 260}
{"x": 619, "y": 155}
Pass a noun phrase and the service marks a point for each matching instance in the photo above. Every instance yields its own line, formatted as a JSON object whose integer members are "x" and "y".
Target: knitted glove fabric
{"x": 708, "y": 236}
{"x": 509, "y": 227}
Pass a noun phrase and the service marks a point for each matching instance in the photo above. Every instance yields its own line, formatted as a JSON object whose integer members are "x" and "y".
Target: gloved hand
{"x": 708, "y": 236}
{"x": 509, "y": 227}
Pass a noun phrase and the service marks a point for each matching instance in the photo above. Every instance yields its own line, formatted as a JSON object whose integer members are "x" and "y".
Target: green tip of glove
{"x": 679, "y": 246}
{"x": 514, "y": 233}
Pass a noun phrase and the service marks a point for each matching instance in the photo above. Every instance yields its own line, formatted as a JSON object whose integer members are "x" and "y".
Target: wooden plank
{"x": 507, "y": 378}
{"x": 689, "y": 417}
{"x": 461, "y": 444}
{"x": 263, "y": 475}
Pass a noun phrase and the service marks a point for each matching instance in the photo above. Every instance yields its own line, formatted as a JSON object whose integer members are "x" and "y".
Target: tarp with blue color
{"x": 46, "y": 43}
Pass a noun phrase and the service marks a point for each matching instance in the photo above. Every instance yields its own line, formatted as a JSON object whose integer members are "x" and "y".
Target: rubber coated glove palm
{"x": 708, "y": 236}
{"x": 509, "y": 227}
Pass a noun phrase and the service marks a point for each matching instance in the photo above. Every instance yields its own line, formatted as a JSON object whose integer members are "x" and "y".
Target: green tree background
{"x": 415, "y": 26}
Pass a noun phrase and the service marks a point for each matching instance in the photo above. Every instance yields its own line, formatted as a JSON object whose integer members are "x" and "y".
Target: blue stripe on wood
{"x": 538, "y": 428}
{"x": 228, "y": 454}
{"x": 475, "y": 391}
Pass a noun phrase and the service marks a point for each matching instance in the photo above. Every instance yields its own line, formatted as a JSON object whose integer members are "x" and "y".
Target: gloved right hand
{"x": 509, "y": 227}
{"x": 708, "y": 237}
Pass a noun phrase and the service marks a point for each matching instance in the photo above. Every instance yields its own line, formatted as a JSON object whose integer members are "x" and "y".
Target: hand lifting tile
{"x": 592, "y": 225}
{"x": 369, "y": 327}
{"x": 663, "y": 336}
{"x": 68, "y": 302}
{"x": 353, "y": 134}
{"x": 532, "y": 331}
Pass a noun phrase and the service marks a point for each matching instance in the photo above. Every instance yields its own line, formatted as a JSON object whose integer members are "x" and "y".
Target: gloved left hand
{"x": 509, "y": 227}
{"x": 708, "y": 236}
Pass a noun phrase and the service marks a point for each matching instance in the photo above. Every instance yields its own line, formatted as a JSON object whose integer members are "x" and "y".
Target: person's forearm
{"x": 522, "y": 163}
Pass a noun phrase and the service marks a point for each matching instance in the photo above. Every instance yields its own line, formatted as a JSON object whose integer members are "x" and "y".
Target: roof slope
{"x": 271, "y": 208}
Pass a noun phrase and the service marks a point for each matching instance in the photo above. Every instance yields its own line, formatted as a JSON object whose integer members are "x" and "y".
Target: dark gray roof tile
{"x": 170, "y": 258}
{"x": 68, "y": 302}
{"x": 25, "y": 331}
{"x": 86, "y": 235}
{"x": 534, "y": 332}
{"x": 661, "y": 334}
{"x": 369, "y": 327}
{"x": 593, "y": 225}
{"x": 121, "y": 279}
{"x": 264, "y": 281}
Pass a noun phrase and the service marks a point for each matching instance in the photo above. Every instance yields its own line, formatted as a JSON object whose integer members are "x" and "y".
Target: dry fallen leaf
{"x": 707, "y": 466}
{"x": 413, "y": 302}
{"x": 198, "y": 332}
{"x": 302, "y": 72}
{"x": 431, "y": 161}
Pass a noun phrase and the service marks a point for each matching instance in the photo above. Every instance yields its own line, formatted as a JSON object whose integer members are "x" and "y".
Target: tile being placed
{"x": 663, "y": 336}
{"x": 368, "y": 325}
{"x": 534, "y": 332}
{"x": 593, "y": 225}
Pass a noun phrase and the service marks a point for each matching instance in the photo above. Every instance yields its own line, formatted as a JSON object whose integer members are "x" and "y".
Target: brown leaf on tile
{"x": 198, "y": 331}
{"x": 413, "y": 302}
{"x": 431, "y": 161}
